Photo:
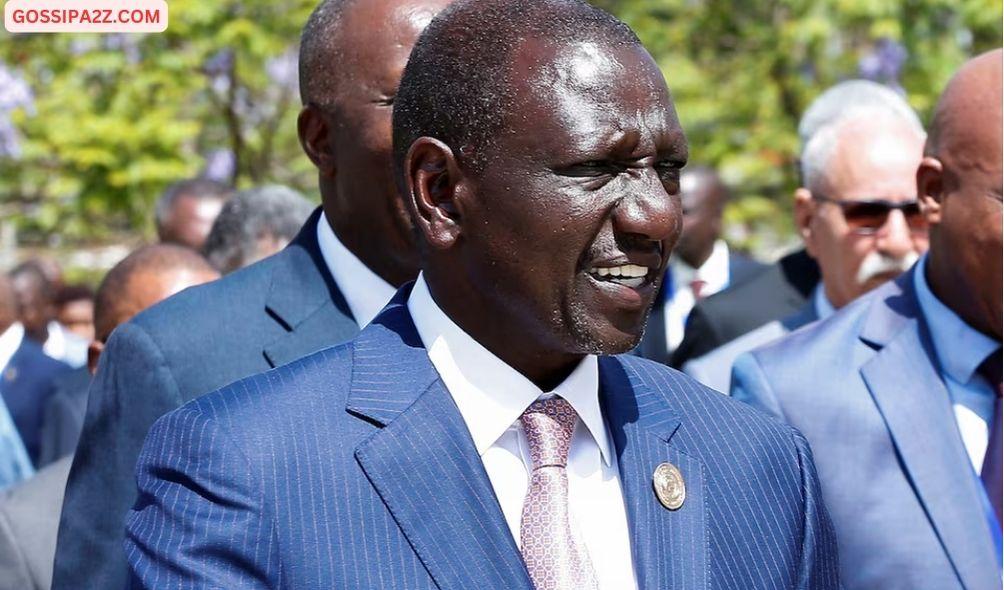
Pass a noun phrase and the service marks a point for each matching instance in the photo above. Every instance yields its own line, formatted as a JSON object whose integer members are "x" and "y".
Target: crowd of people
{"x": 511, "y": 348}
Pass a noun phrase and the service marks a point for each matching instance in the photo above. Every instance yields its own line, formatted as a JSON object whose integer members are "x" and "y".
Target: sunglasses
{"x": 867, "y": 216}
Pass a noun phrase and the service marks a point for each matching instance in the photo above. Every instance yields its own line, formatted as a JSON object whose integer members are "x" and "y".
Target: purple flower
{"x": 283, "y": 70}
{"x": 220, "y": 165}
{"x": 884, "y": 63}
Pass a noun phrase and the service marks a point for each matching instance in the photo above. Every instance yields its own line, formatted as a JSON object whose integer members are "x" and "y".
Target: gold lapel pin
{"x": 669, "y": 488}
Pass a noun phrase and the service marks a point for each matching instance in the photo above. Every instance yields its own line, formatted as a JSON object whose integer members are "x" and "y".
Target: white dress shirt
{"x": 715, "y": 274}
{"x": 364, "y": 291}
{"x": 10, "y": 341}
{"x": 960, "y": 349}
{"x": 491, "y": 397}
{"x": 64, "y": 345}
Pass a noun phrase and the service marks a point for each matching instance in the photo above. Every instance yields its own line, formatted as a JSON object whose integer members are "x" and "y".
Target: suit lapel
{"x": 904, "y": 381}
{"x": 669, "y": 547}
{"x": 304, "y": 299}
{"x": 423, "y": 463}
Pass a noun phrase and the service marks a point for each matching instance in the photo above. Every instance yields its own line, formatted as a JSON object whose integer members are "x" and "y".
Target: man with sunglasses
{"x": 899, "y": 393}
{"x": 856, "y": 212}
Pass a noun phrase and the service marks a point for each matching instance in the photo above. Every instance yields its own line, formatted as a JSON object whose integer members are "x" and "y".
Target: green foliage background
{"x": 112, "y": 127}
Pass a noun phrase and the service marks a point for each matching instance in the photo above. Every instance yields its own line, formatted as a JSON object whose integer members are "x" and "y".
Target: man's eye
{"x": 592, "y": 169}
{"x": 385, "y": 101}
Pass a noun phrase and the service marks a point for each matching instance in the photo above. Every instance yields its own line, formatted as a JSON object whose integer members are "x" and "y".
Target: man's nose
{"x": 894, "y": 238}
{"x": 649, "y": 212}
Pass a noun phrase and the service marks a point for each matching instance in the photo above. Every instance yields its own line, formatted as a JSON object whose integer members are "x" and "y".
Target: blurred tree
{"x": 743, "y": 72}
{"x": 93, "y": 127}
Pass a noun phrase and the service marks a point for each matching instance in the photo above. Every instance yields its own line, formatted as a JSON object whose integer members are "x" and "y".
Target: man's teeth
{"x": 631, "y": 275}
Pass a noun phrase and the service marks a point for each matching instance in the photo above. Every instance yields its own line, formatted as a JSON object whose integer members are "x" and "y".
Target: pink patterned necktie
{"x": 552, "y": 557}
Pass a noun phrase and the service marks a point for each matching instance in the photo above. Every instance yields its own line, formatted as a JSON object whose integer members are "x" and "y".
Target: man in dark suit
{"x": 337, "y": 273}
{"x": 539, "y": 153}
{"x": 702, "y": 263}
{"x": 900, "y": 392}
{"x": 786, "y": 288}
{"x": 26, "y": 376}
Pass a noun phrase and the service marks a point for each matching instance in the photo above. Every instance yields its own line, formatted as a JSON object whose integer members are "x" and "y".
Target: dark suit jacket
{"x": 865, "y": 387}
{"x": 353, "y": 469}
{"x": 26, "y": 385}
{"x": 29, "y": 518}
{"x": 64, "y": 415}
{"x": 653, "y": 343}
{"x": 262, "y": 316}
{"x": 774, "y": 293}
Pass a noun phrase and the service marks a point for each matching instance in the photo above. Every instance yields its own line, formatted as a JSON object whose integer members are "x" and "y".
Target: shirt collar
{"x": 491, "y": 395}
{"x": 10, "y": 341}
{"x": 714, "y": 272}
{"x": 821, "y": 302}
{"x": 364, "y": 291}
{"x": 960, "y": 347}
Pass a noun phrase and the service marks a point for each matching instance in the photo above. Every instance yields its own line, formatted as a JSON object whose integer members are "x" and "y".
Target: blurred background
{"x": 94, "y": 127}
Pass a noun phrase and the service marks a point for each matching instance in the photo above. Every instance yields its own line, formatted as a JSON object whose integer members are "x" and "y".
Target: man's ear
{"x": 432, "y": 177}
{"x": 804, "y": 209}
{"x": 94, "y": 350}
{"x": 930, "y": 188}
{"x": 314, "y": 130}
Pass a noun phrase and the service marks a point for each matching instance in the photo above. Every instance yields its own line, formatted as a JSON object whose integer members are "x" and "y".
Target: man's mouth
{"x": 627, "y": 275}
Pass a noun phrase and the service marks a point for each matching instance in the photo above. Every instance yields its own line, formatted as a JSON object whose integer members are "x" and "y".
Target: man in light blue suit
{"x": 475, "y": 435}
{"x": 899, "y": 393}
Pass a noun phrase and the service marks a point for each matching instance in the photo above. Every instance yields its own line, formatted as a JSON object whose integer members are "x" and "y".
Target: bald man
{"x": 899, "y": 392}
{"x": 332, "y": 279}
{"x": 29, "y": 511}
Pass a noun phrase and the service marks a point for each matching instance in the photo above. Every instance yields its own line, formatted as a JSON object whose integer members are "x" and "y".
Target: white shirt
{"x": 10, "y": 341}
{"x": 960, "y": 349}
{"x": 715, "y": 274}
{"x": 491, "y": 396}
{"x": 364, "y": 291}
{"x": 65, "y": 346}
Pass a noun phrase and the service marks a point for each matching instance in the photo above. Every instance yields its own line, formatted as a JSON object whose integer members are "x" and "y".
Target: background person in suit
{"x": 784, "y": 289}
{"x": 186, "y": 210}
{"x": 702, "y": 263}
{"x": 35, "y": 294}
{"x": 333, "y": 278}
{"x": 15, "y": 464}
{"x": 859, "y": 165}
{"x": 29, "y": 512}
{"x": 899, "y": 393}
{"x": 405, "y": 444}
{"x": 26, "y": 381}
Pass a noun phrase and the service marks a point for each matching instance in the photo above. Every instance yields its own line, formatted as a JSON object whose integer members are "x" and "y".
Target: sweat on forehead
{"x": 456, "y": 86}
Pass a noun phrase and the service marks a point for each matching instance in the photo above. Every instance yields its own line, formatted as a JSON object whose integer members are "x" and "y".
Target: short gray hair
{"x": 851, "y": 100}
{"x": 271, "y": 211}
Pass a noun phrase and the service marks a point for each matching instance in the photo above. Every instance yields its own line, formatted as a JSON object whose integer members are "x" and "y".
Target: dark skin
{"x": 586, "y": 177}
{"x": 8, "y": 307}
{"x": 349, "y": 139}
{"x": 703, "y": 196}
{"x": 35, "y": 305}
{"x": 960, "y": 187}
{"x": 190, "y": 221}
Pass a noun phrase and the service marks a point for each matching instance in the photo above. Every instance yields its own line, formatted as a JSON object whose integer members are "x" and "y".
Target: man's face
{"x": 35, "y": 306}
{"x": 78, "y": 317}
{"x": 378, "y": 36}
{"x": 703, "y": 204}
{"x": 855, "y": 257}
{"x": 191, "y": 220}
{"x": 577, "y": 208}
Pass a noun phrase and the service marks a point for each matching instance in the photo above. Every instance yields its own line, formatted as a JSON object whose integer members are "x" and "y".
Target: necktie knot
{"x": 548, "y": 425}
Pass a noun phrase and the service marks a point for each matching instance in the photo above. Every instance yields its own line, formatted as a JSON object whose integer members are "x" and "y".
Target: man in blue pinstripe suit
{"x": 477, "y": 434}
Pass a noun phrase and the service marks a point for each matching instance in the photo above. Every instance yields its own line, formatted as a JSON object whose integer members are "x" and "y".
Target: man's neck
{"x": 947, "y": 286}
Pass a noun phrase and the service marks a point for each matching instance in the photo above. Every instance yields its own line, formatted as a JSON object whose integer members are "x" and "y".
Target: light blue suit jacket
{"x": 865, "y": 388}
{"x": 353, "y": 468}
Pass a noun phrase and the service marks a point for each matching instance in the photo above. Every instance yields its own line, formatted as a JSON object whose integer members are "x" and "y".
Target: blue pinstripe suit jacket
{"x": 352, "y": 468}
